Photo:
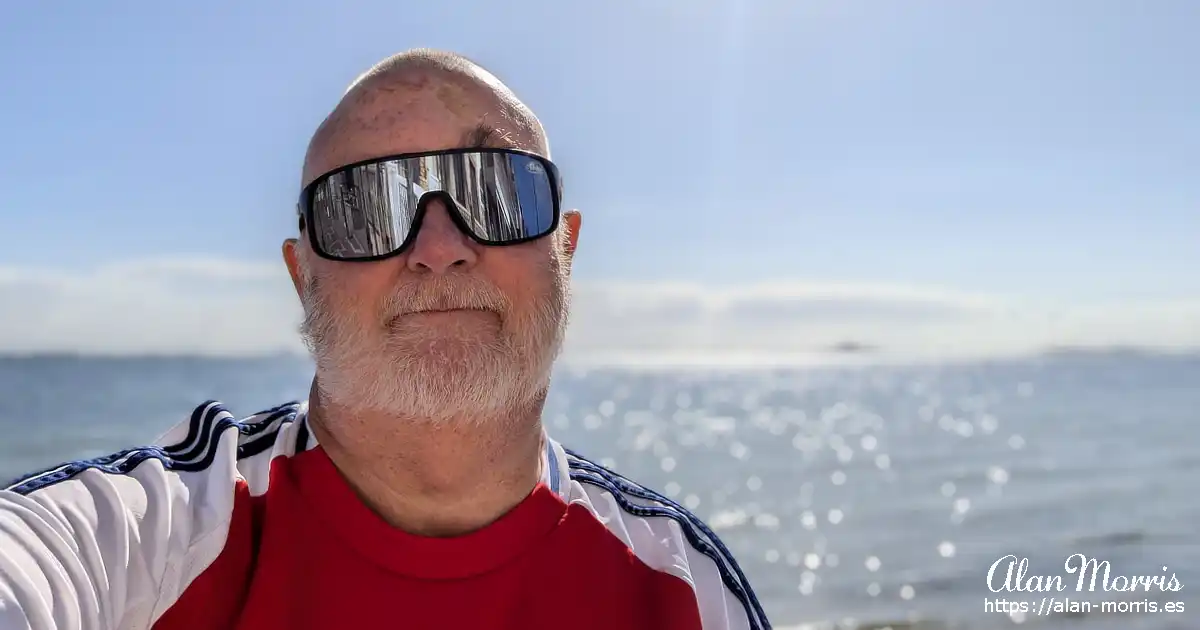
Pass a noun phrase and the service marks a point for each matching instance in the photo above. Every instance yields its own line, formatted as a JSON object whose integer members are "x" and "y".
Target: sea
{"x": 859, "y": 496}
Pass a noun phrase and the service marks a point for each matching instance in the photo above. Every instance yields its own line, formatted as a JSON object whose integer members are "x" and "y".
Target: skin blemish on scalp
{"x": 453, "y": 97}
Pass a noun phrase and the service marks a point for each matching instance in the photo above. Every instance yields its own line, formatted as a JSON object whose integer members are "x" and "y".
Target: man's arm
{"x": 111, "y": 543}
{"x": 88, "y": 552}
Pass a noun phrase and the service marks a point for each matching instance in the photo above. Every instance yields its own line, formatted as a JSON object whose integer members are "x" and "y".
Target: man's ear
{"x": 572, "y": 219}
{"x": 291, "y": 258}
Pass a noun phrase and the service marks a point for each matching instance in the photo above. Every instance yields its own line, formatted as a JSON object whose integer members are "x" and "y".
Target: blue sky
{"x": 1026, "y": 151}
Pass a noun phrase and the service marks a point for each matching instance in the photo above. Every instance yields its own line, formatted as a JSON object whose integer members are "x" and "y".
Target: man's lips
{"x": 444, "y": 310}
{"x": 439, "y": 312}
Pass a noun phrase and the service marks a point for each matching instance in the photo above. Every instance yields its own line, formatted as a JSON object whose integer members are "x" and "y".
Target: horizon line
{"x": 828, "y": 357}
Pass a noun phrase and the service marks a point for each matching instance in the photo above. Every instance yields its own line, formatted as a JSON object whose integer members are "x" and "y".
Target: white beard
{"x": 434, "y": 377}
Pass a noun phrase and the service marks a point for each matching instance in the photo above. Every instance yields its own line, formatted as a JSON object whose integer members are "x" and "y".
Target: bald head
{"x": 421, "y": 59}
{"x": 421, "y": 100}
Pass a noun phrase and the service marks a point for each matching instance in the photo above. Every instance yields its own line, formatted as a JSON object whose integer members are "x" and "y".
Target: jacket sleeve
{"x": 106, "y": 544}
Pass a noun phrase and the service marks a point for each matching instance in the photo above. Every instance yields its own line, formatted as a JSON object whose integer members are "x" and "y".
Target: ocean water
{"x": 866, "y": 497}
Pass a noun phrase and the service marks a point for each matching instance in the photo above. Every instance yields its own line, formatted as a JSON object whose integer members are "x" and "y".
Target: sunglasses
{"x": 372, "y": 210}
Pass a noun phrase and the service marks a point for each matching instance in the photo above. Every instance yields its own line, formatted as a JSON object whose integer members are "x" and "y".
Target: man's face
{"x": 448, "y": 328}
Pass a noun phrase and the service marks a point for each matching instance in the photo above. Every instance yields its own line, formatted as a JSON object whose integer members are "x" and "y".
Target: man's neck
{"x": 433, "y": 479}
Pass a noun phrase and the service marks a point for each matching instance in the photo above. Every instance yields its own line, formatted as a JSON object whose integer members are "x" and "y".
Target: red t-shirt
{"x": 248, "y": 524}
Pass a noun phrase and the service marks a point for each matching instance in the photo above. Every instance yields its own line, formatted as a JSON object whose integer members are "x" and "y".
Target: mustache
{"x": 444, "y": 293}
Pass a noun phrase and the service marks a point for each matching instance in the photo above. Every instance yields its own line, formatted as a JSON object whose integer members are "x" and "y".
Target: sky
{"x": 759, "y": 180}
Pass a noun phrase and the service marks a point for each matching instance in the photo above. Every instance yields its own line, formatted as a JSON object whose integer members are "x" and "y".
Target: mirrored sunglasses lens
{"x": 366, "y": 211}
{"x": 509, "y": 199}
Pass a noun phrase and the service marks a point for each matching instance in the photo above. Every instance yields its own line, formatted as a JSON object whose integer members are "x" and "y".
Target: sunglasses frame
{"x": 305, "y": 211}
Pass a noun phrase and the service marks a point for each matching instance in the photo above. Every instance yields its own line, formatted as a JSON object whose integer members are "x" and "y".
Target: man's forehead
{"x": 414, "y": 112}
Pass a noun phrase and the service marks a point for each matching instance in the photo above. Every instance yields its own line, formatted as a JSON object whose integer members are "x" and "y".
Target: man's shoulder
{"x": 139, "y": 525}
{"x": 209, "y": 434}
{"x": 626, "y": 497}
{"x": 662, "y": 533}
{"x": 628, "y": 493}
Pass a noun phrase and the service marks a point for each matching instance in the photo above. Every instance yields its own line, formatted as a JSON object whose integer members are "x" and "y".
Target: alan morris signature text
{"x": 1011, "y": 574}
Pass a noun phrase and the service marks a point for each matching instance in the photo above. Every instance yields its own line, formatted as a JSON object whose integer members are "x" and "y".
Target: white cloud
{"x": 220, "y": 307}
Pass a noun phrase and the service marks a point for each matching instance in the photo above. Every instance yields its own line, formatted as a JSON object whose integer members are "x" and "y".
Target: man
{"x": 416, "y": 488}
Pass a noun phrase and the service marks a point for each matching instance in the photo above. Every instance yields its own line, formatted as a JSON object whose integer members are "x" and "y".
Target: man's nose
{"x": 440, "y": 245}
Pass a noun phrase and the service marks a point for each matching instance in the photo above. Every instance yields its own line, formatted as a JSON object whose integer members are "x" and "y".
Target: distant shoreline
{"x": 841, "y": 353}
